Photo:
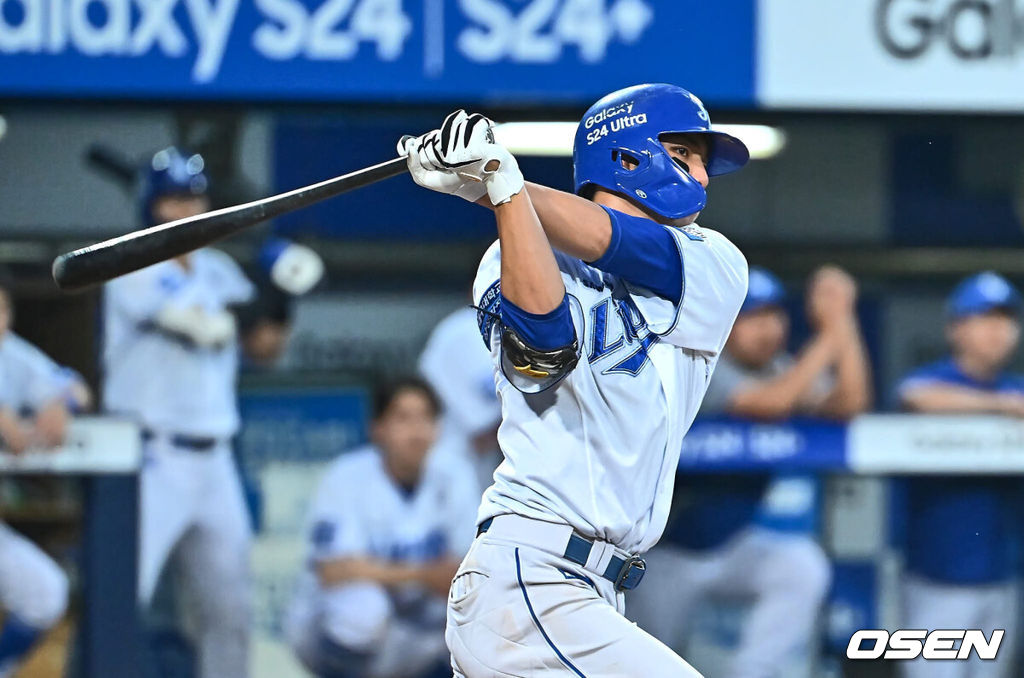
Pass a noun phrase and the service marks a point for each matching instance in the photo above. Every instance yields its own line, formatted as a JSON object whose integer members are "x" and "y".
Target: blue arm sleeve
{"x": 544, "y": 332}
{"x": 645, "y": 254}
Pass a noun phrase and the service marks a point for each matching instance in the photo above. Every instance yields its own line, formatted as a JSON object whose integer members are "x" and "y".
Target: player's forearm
{"x": 852, "y": 394}
{"x": 13, "y": 435}
{"x": 346, "y": 570}
{"x": 50, "y": 425}
{"x": 438, "y": 576}
{"x": 779, "y": 398}
{"x": 530, "y": 278}
{"x": 573, "y": 225}
{"x": 955, "y": 399}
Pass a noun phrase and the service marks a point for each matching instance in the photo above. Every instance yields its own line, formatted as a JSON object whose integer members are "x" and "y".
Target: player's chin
{"x": 685, "y": 221}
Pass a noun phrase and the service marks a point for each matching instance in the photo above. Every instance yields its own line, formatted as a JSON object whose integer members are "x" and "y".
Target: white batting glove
{"x": 465, "y": 145}
{"x": 437, "y": 178}
{"x": 297, "y": 269}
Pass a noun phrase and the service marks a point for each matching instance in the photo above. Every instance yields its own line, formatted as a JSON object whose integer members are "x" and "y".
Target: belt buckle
{"x": 631, "y": 573}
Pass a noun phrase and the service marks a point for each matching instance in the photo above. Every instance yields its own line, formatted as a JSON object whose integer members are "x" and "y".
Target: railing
{"x": 872, "y": 444}
{"x": 94, "y": 446}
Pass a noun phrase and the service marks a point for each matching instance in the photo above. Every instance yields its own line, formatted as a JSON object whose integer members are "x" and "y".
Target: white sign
{"x": 94, "y": 445}
{"x": 899, "y": 443}
{"x": 943, "y": 55}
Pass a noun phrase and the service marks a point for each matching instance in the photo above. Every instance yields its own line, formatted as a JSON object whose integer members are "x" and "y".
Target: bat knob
{"x": 406, "y": 138}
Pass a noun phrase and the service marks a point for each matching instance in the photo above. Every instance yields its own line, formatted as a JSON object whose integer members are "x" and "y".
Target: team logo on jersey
{"x": 488, "y": 311}
{"x": 432, "y": 545}
{"x": 693, "y": 233}
{"x": 629, "y": 334}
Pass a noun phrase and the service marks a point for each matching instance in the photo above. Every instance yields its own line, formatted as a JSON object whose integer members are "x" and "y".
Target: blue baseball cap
{"x": 763, "y": 289}
{"x": 982, "y": 293}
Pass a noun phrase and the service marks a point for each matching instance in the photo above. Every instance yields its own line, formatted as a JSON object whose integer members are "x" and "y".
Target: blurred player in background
{"x": 33, "y": 413}
{"x": 387, "y": 533}
{"x": 458, "y": 367}
{"x": 605, "y": 313}
{"x": 963, "y": 532}
{"x": 713, "y": 546}
{"x": 170, "y": 360}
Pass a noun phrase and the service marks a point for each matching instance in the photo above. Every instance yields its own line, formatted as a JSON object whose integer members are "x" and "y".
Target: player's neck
{"x": 619, "y": 203}
{"x": 406, "y": 478}
{"x": 979, "y": 370}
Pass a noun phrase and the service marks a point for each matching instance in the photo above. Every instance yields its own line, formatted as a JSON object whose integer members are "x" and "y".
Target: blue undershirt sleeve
{"x": 645, "y": 254}
{"x": 544, "y": 332}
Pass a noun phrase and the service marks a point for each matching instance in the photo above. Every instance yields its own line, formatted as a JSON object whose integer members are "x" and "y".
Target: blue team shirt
{"x": 962, "y": 529}
{"x": 710, "y": 509}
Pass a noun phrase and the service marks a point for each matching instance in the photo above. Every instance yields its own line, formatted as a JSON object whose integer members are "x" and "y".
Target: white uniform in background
{"x": 458, "y": 367}
{"x": 595, "y": 454}
{"x": 360, "y": 511}
{"x": 181, "y": 391}
{"x": 33, "y": 588}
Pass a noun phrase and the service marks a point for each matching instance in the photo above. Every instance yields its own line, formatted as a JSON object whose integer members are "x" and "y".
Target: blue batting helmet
{"x": 629, "y": 123}
{"x": 171, "y": 172}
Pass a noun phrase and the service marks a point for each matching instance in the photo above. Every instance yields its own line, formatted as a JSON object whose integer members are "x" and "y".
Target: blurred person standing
{"x": 33, "y": 414}
{"x": 458, "y": 366}
{"x": 963, "y": 533}
{"x": 713, "y": 546}
{"x": 387, "y": 532}
{"x": 171, "y": 355}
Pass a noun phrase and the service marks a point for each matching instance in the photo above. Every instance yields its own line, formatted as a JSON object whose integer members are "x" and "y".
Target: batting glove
{"x": 437, "y": 178}
{"x": 293, "y": 268}
{"x": 465, "y": 145}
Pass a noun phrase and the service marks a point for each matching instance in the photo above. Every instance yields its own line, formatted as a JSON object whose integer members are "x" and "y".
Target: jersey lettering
{"x": 630, "y": 332}
{"x": 433, "y": 545}
{"x": 488, "y": 311}
{"x": 322, "y": 534}
{"x": 599, "y": 345}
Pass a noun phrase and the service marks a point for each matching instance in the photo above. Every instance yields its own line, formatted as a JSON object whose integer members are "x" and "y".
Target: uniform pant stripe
{"x": 529, "y": 606}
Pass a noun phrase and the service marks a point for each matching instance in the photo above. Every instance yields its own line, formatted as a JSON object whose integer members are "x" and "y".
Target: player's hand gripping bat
{"x": 115, "y": 257}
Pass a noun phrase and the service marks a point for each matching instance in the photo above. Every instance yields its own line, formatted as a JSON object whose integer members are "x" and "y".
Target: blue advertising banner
{"x": 307, "y": 151}
{"x": 343, "y": 50}
{"x": 729, "y": 445}
{"x": 295, "y": 424}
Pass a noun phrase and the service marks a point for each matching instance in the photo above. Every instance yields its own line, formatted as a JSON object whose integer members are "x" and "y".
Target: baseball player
{"x": 962, "y": 533}
{"x": 387, "y": 531}
{"x": 33, "y": 588}
{"x": 712, "y": 539}
{"x": 605, "y": 313}
{"x": 171, "y": 356}
{"x": 459, "y": 369}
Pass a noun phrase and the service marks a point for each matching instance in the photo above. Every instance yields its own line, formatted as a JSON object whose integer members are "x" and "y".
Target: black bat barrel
{"x": 127, "y": 253}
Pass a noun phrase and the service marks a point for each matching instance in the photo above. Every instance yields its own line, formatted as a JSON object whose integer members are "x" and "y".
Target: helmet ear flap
{"x": 654, "y": 179}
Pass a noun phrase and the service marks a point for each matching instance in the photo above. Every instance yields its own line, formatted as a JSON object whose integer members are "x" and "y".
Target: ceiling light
{"x": 555, "y": 138}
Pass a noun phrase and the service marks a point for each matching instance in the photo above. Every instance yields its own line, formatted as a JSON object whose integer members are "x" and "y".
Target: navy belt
{"x": 185, "y": 442}
{"x": 625, "y": 573}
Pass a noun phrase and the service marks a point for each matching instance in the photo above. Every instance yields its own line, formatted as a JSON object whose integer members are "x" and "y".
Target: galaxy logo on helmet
{"x": 628, "y": 124}
{"x": 171, "y": 173}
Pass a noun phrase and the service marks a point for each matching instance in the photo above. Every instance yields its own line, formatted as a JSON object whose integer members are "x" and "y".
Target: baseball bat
{"x": 127, "y": 253}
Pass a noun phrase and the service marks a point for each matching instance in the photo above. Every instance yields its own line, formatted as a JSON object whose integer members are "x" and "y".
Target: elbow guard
{"x": 535, "y": 363}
